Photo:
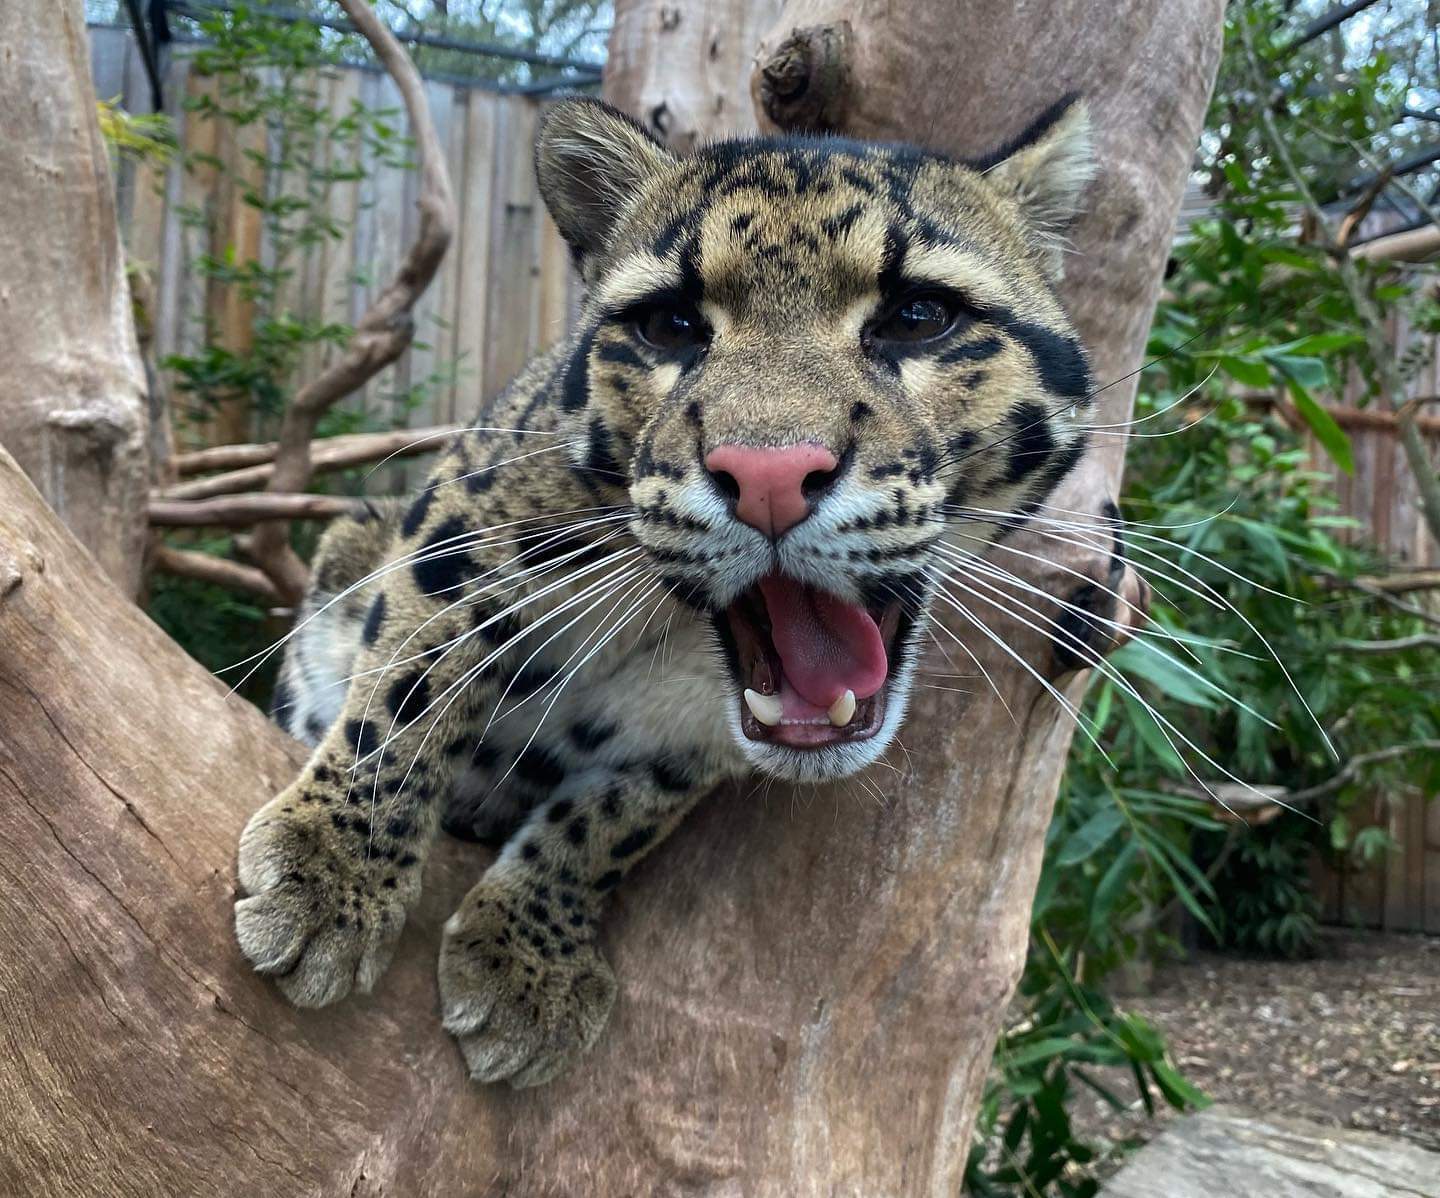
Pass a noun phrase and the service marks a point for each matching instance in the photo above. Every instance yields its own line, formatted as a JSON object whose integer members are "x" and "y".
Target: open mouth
{"x": 813, "y": 669}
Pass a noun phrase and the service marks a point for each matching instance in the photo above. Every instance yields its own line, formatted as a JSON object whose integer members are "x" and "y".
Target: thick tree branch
{"x": 384, "y": 332}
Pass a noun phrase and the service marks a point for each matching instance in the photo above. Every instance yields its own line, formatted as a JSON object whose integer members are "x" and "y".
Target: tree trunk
{"x": 72, "y": 389}
{"x": 683, "y": 68}
{"x": 811, "y": 982}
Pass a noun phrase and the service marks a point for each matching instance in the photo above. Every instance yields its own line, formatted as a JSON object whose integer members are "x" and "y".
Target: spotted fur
{"x": 539, "y": 662}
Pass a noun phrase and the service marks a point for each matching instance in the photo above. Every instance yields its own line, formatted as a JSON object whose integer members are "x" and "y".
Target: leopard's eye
{"x": 917, "y": 319}
{"x": 669, "y": 329}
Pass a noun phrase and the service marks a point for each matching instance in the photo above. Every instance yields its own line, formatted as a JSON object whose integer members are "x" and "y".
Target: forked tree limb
{"x": 206, "y": 567}
{"x": 385, "y": 330}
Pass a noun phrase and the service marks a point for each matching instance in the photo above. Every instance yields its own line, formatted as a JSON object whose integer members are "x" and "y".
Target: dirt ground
{"x": 1351, "y": 1038}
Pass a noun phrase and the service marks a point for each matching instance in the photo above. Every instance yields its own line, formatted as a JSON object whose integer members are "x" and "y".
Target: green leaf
{"x": 1179, "y": 1093}
{"x": 1151, "y": 733}
{"x": 1245, "y": 370}
{"x": 1147, "y": 661}
{"x": 1112, "y": 885}
{"x": 1086, "y": 841}
{"x": 1040, "y": 1050}
{"x": 1326, "y": 430}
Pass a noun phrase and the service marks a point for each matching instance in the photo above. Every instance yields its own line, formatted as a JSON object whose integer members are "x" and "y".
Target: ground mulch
{"x": 1351, "y": 1038}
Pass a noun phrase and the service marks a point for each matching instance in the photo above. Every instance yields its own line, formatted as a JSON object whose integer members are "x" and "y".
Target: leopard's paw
{"x": 323, "y": 915}
{"x": 523, "y": 1001}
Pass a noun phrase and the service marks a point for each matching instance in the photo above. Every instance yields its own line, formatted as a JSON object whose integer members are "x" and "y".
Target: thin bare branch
{"x": 333, "y": 453}
{"x": 386, "y": 330}
{"x": 204, "y": 567}
{"x": 1356, "y": 764}
{"x": 1398, "y": 645}
{"x": 240, "y": 511}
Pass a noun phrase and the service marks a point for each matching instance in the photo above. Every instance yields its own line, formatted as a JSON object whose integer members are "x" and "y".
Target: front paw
{"x": 324, "y": 913}
{"x": 525, "y": 1000}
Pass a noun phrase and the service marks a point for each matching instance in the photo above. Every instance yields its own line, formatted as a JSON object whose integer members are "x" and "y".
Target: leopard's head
{"x": 801, "y": 358}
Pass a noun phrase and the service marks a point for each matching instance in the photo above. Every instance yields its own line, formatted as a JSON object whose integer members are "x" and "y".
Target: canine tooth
{"x": 844, "y": 709}
{"x": 765, "y": 708}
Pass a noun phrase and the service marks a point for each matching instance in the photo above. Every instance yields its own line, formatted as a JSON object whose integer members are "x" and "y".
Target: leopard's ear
{"x": 1046, "y": 170}
{"x": 590, "y": 160}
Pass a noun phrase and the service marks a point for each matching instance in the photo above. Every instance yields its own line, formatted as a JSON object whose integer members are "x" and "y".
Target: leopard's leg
{"x": 332, "y": 865}
{"x": 522, "y": 984}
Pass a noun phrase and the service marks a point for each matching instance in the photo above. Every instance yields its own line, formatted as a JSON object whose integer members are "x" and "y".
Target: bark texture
{"x": 682, "y": 67}
{"x": 811, "y": 982}
{"x": 72, "y": 388}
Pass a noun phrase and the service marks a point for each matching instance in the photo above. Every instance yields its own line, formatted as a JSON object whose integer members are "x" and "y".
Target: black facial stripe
{"x": 1031, "y": 444}
{"x": 599, "y": 454}
{"x": 622, "y": 355}
{"x": 971, "y": 351}
{"x": 576, "y": 392}
{"x": 1059, "y": 359}
{"x": 889, "y": 279}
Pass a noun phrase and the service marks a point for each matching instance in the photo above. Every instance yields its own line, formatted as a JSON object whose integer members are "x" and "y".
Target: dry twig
{"x": 385, "y": 331}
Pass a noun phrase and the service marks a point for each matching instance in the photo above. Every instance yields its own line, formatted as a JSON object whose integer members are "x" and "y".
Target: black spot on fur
{"x": 539, "y": 768}
{"x": 408, "y": 697}
{"x": 362, "y": 736}
{"x": 608, "y": 880}
{"x": 557, "y": 812}
{"x": 577, "y": 830}
{"x": 374, "y": 620}
{"x": 670, "y": 775}
{"x": 588, "y": 736}
{"x": 834, "y": 227}
{"x": 633, "y": 843}
{"x": 417, "y": 511}
{"x": 442, "y": 565}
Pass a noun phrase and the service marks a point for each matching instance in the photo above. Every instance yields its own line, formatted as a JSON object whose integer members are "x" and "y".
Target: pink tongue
{"x": 826, "y": 647}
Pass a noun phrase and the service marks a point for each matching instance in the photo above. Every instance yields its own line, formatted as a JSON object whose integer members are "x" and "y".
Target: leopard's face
{"x": 801, "y": 359}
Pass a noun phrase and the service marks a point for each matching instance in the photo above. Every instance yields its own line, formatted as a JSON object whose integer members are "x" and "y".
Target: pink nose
{"x": 772, "y": 488}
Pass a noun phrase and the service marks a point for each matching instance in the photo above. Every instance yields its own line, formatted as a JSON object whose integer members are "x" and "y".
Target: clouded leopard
{"x": 694, "y": 541}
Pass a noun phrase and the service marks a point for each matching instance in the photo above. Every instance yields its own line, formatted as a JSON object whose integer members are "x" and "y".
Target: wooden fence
{"x": 505, "y": 290}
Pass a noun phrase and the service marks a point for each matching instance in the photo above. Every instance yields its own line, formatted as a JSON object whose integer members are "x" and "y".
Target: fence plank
{"x": 512, "y": 302}
{"x": 474, "y": 204}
